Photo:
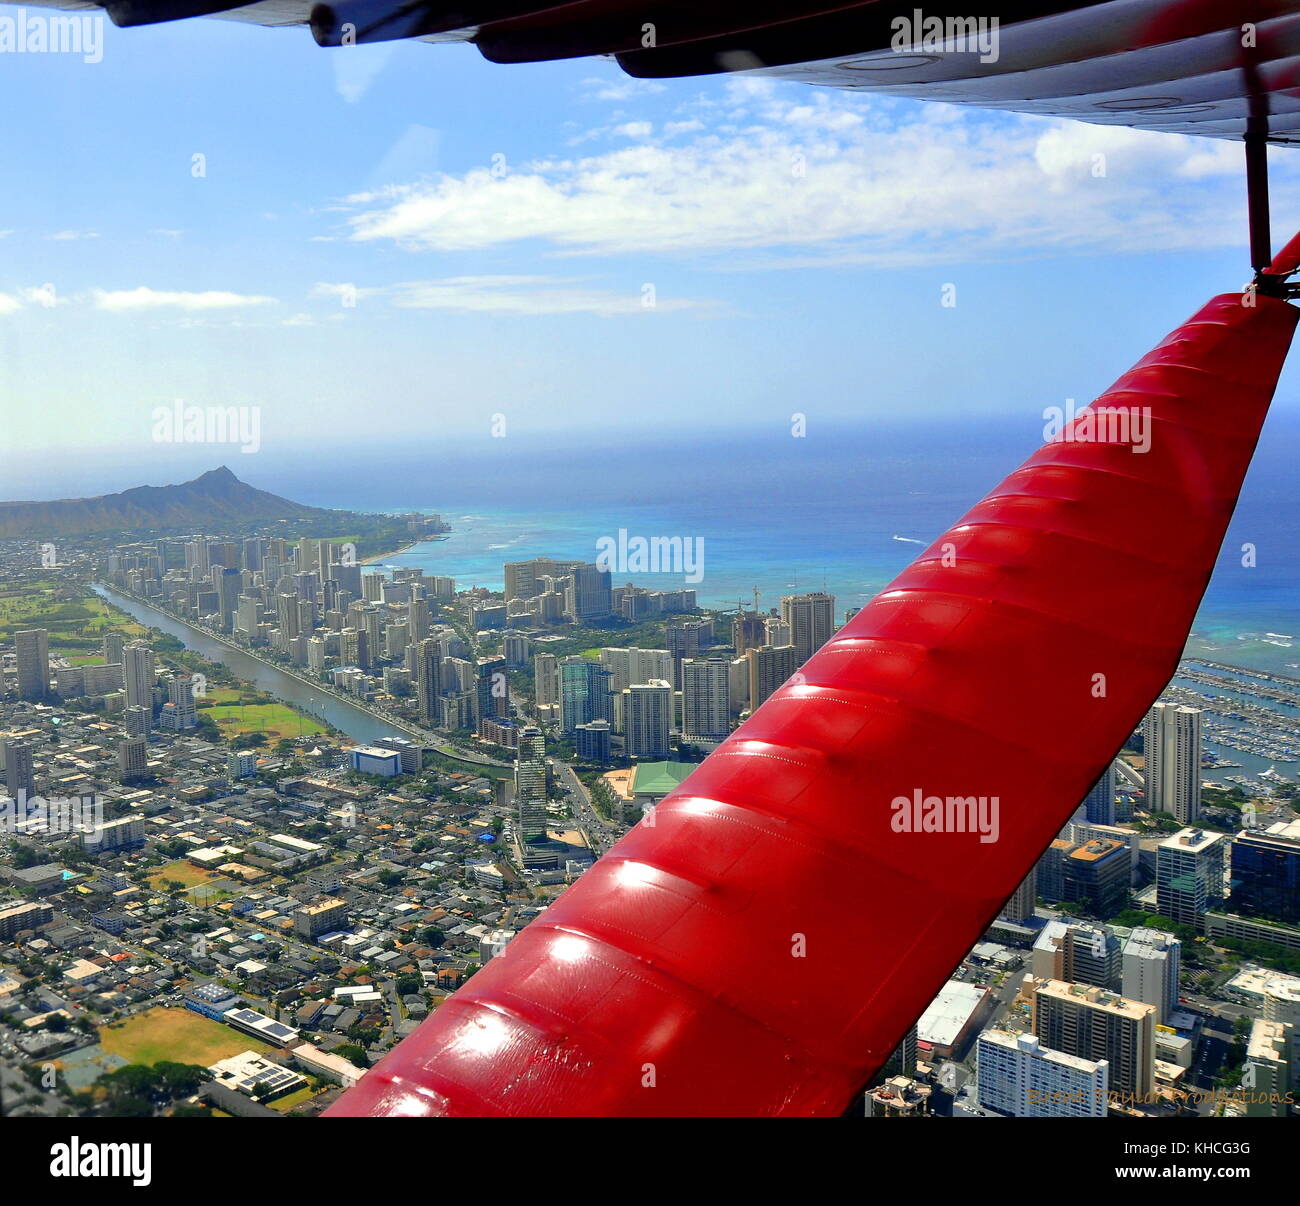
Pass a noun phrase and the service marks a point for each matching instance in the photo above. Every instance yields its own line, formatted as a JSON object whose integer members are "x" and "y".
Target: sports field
{"x": 182, "y": 871}
{"x": 180, "y": 1035}
{"x": 276, "y": 720}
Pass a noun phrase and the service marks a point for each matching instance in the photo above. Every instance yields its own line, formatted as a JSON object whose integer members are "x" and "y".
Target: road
{"x": 601, "y": 834}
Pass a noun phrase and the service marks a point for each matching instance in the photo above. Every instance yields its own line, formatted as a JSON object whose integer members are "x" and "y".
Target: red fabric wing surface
{"x": 762, "y": 941}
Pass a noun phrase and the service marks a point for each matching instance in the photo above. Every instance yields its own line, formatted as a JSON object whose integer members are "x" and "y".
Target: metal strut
{"x": 1271, "y": 275}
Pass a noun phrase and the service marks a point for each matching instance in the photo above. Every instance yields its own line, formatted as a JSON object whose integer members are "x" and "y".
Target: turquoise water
{"x": 841, "y": 510}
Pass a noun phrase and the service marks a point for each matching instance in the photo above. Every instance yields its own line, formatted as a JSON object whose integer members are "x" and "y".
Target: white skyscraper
{"x": 138, "y": 674}
{"x": 706, "y": 708}
{"x": 546, "y": 678}
{"x": 812, "y": 621}
{"x": 1020, "y": 1077}
{"x": 1151, "y": 962}
{"x": 1171, "y": 738}
{"x": 628, "y": 666}
{"x": 647, "y": 718}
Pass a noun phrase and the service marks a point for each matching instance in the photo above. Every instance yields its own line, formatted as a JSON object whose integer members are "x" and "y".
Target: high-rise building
{"x": 748, "y": 631}
{"x": 1189, "y": 875}
{"x": 248, "y": 616}
{"x": 419, "y": 618}
{"x": 20, "y": 776}
{"x": 647, "y": 719}
{"x": 286, "y": 615}
{"x": 1018, "y": 1076}
{"x": 179, "y": 712}
{"x": 776, "y": 631}
{"x": 32, "y": 646}
{"x": 1091, "y": 954}
{"x": 584, "y": 693}
{"x": 1270, "y": 1073}
{"x": 1099, "y": 803}
{"x": 347, "y": 577}
{"x": 492, "y": 690}
{"x": 1151, "y": 964}
{"x": 589, "y": 595}
{"x": 229, "y": 584}
{"x": 113, "y": 644}
{"x": 517, "y": 649}
{"x": 523, "y": 579}
{"x": 132, "y": 757}
{"x": 1171, "y": 747}
{"x": 633, "y": 665}
{"x": 592, "y": 741}
{"x": 196, "y": 557}
{"x": 812, "y": 622}
{"x": 136, "y": 721}
{"x": 546, "y": 678}
{"x": 902, "y": 1060}
{"x": 1266, "y": 873}
{"x": 530, "y": 784}
{"x": 138, "y": 677}
{"x": 1020, "y": 907}
{"x": 769, "y": 667}
{"x": 428, "y": 681}
{"x": 240, "y": 764}
{"x": 1083, "y": 1020}
{"x": 1094, "y": 874}
{"x": 706, "y": 714}
{"x": 684, "y": 639}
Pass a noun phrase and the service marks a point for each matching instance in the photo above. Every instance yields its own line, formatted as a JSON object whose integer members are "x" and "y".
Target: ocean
{"x": 841, "y": 510}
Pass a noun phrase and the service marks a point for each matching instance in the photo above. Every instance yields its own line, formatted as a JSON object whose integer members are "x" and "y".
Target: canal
{"x": 357, "y": 723}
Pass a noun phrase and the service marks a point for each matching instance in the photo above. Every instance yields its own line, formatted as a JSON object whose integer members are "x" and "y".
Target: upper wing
{"x": 762, "y": 943}
{"x": 1190, "y": 66}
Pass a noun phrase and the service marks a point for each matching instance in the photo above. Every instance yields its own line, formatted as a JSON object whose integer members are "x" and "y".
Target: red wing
{"x": 764, "y": 944}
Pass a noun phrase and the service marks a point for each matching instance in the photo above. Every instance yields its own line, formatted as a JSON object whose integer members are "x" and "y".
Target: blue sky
{"x": 500, "y": 230}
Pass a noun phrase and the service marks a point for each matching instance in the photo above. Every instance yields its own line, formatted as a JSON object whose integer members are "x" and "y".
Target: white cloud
{"x": 45, "y": 296}
{"x": 517, "y": 295}
{"x": 835, "y": 179}
{"x": 619, "y": 89}
{"x": 635, "y": 129}
{"x": 70, "y": 236}
{"x": 144, "y": 298}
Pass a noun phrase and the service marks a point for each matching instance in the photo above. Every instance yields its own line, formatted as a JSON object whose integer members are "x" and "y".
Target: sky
{"x": 406, "y": 245}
